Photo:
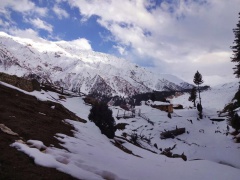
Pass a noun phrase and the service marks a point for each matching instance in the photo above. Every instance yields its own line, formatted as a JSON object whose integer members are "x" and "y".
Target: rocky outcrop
{"x": 19, "y": 82}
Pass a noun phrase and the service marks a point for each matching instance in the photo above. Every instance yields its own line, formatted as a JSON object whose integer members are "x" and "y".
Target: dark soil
{"x": 24, "y": 114}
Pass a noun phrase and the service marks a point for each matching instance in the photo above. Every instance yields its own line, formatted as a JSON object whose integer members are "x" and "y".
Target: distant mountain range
{"x": 71, "y": 67}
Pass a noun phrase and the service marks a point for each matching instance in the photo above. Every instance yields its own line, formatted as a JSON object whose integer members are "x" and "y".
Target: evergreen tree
{"x": 101, "y": 115}
{"x": 153, "y": 96}
{"x": 235, "y": 122}
{"x": 236, "y": 50}
{"x": 234, "y": 119}
{"x": 198, "y": 80}
{"x": 193, "y": 96}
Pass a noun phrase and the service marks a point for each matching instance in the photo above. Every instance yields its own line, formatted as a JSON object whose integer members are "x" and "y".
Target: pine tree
{"x": 236, "y": 50}
{"x": 198, "y": 80}
{"x": 101, "y": 115}
{"x": 193, "y": 96}
{"x": 234, "y": 119}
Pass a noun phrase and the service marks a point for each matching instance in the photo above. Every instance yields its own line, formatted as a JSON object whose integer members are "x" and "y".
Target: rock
{"x": 19, "y": 82}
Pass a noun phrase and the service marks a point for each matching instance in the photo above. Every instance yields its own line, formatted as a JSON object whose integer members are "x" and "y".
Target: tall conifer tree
{"x": 198, "y": 80}
{"x": 236, "y": 49}
{"x": 234, "y": 119}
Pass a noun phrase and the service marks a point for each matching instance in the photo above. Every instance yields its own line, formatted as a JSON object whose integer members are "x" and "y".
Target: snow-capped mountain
{"x": 74, "y": 68}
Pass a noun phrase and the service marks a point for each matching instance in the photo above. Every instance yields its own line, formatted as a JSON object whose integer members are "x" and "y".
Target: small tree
{"x": 198, "y": 80}
{"x": 234, "y": 120}
{"x": 236, "y": 50}
{"x": 193, "y": 96}
{"x": 101, "y": 115}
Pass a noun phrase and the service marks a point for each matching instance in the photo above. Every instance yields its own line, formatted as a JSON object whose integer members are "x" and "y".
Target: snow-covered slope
{"x": 74, "y": 68}
{"x": 216, "y": 97}
{"x": 90, "y": 155}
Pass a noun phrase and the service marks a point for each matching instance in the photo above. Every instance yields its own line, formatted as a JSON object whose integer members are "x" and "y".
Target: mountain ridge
{"x": 63, "y": 64}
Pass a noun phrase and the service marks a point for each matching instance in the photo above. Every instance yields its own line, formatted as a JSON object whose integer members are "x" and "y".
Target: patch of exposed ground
{"x": 30, "y": 119}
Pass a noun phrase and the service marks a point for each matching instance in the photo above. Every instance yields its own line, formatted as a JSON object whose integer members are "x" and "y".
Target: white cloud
{"x": 23, "y": 6}
{"x": 25, "y": 33}
{"x": 80, "y": 43}
{"x": 61, "y": 13}
{"x": 17, "y": 5}
{"x": 120, "y": 49}
{"x": 174, "y": 33}
{"x": 40, "y": 11}
{"x": 215, "y": 67}
{"x": 26, "y": 8}
{"x": 40, "y": 24}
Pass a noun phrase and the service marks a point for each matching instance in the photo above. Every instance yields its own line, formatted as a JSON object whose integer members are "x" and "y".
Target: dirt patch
{"x": 17, "y": 165}
{"x": 30, "y": 119}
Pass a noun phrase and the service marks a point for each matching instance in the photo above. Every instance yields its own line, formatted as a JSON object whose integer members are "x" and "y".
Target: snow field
{"x": 92, "y": 155}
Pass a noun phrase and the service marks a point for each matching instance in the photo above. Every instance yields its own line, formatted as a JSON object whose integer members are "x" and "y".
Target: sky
{"x": 175, "y": 37}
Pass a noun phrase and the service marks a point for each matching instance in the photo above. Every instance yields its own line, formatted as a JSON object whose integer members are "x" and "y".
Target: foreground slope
{"x": 73, "y": 68}
{"x": 91, "y": 155}
{"x": 30, "y": 118}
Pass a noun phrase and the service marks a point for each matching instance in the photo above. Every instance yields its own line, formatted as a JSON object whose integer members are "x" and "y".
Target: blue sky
{"x": 169, "y": 36}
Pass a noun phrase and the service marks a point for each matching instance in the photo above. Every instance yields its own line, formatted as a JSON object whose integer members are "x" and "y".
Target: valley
{"x": 46, "y": 127}
{"x": 87, "y": 154}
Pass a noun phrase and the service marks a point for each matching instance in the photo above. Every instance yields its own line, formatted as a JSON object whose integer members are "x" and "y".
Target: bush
{"x": 101, "y": 115}
{"x": 134, "y": 138}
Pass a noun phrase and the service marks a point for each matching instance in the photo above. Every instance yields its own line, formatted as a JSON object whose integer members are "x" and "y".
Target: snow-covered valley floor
{"x": 211, "y": 153}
